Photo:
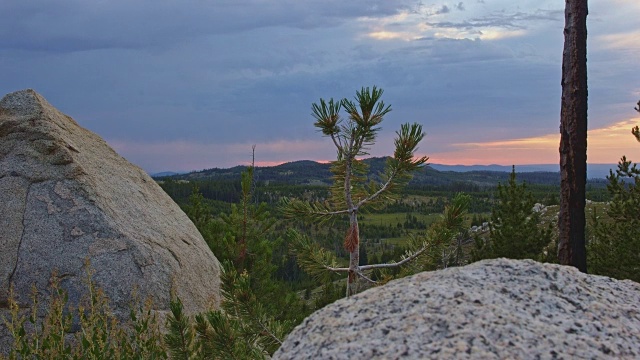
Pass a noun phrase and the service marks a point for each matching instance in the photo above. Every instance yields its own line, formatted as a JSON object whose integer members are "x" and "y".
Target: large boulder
{"x": 493, "y": 309}
{"x": 67, "y": 197}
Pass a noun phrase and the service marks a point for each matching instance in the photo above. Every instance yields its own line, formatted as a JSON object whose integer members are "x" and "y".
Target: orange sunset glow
{"x": 605, "y": 145}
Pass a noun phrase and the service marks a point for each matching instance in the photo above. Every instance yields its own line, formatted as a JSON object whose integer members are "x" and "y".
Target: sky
{"x": 179, "y": 85}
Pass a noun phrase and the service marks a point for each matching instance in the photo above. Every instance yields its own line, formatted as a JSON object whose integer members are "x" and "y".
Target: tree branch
{"x": 335, "y": 269}
{"x": 296, "y": 209}
{"x": 266, "y": 330}
{"x": 377, "y": 193}
{"x": 337, "y": 143}
{"x": 329, "y": 213}
{"x": 392, "y": 265}
{"x": 366, "y": 278}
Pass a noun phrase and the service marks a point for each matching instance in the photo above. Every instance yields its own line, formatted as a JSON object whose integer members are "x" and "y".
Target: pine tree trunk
{"x": 352, "y": 239}
{"x": 354, "y": 257}
{"x": 573, "y": 137}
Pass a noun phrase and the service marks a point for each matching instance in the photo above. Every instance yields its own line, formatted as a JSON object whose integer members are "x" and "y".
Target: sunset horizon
{"x": 483, "y": 78}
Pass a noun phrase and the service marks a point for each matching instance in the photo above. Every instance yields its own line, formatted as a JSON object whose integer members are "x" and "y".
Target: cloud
{"x": 242, "y": 72}
{"x": 443, "y": 10}
{"x": 255, "y": 106}
{"x": 430, "y": 21}
{"x": 72, "y": 25}
{"x": 258, "y": 85}
{"x": 390, "y": 35}
{"x": 627, "y": 41}
{"x": 503, "y": 20}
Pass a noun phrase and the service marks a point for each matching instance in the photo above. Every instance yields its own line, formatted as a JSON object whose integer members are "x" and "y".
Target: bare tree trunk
{"x": 573, "y": 137}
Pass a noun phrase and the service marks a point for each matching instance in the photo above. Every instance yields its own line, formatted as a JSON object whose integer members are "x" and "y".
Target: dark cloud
{"x": 246, "y": 71}
{"x": 73, "y": 25}
{"x": 443, "y": 10}
{"x": 518, "y": 20}
{"x": 469, "y": 76}
{"x": 236, "y": 88}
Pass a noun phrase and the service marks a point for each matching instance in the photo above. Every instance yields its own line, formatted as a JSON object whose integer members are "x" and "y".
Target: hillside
{"x": 594, "y": 171}
{"x": 306, "y": 172}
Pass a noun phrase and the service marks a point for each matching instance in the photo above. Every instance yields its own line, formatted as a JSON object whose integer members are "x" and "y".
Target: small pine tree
{"x": 257, "y": 311}
{"x": 199, "y": 211}
{"x": 180, "y": 336}
{"x": 351, "y": 192}
{"x": 614, "y": 249}
{"x": 636, "y": 131}
{"x": 244, "y": 234}
{"x": 514, "y": 229}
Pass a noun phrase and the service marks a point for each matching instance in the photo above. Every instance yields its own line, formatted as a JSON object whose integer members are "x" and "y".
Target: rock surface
{"x": 493, "y": 309}
{"x": 66, "y": 196}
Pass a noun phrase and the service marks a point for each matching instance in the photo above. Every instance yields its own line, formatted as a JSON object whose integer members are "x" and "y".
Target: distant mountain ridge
{"x": 594, "y": 171}
{"x": 315, "y": 173}
{"x": 306, "y": 172}
{"x": 166, "y": 173}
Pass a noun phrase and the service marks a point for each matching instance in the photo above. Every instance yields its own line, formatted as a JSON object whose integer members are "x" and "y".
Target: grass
{"x": 101, "y": 335}
{"x": 394, "y": 219}
{"x": 550, "y": 214}
{"x": 397, "y": 241}
{"x": 600, "y": 208}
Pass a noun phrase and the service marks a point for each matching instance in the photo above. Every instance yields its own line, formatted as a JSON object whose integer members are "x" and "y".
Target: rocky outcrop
{"x": 66, "y": 196}
{"x": 493, "y": 309}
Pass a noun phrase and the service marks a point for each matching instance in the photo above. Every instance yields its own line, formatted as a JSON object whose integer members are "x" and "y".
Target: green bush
{"x": 515, "y": 229}
{"x": 614, "y": 248}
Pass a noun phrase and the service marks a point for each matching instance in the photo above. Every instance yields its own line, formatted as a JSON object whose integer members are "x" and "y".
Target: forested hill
{"x": 304, "y": 172}
{"x": 307, "y": 172}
